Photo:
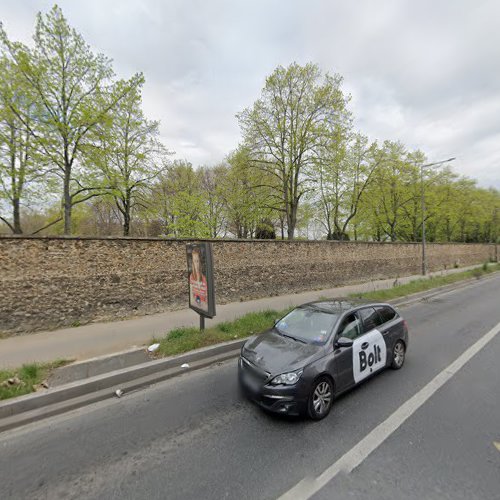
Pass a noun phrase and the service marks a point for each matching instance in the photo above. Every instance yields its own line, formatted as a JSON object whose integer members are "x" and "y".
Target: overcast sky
{"x": 423, "y": 72}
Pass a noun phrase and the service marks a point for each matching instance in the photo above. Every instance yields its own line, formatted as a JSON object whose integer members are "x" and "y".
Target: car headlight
{"x": 287, "y": 378}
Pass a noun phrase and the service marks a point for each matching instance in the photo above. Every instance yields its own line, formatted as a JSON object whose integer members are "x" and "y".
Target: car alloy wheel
{"x": 320, "y": 401}
{"x": 398, "y": 355}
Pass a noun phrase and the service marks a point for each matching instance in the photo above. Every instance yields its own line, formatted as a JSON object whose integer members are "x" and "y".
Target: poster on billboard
{"x": 200, "y": 278}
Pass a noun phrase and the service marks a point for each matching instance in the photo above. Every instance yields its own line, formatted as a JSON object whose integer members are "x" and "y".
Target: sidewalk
{"x": 97, "y": 339}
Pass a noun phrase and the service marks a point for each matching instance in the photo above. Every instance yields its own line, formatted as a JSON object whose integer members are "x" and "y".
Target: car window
{"x": 308, "y": 324}
{"x": 350, "y": 327}
{"x": 370, "y": 318}
{"x": 386, "y": 313}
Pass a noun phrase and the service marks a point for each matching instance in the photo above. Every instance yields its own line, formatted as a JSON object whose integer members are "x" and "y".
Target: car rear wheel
{"x": 398, "y": 355}
{"x": 321, "y": 398}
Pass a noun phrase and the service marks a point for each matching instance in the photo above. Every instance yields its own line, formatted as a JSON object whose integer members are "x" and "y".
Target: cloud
{"x": 426, "y": 73}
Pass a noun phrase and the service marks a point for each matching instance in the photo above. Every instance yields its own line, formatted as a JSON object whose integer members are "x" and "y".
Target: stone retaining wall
{"x": 53, "y": 282}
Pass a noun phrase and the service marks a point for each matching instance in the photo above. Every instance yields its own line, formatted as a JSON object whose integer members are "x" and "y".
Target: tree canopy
{"x": 78, "y": 155}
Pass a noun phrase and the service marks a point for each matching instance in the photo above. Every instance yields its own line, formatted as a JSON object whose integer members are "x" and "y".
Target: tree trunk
{"x": 16, "y": 215}
{"x": 124, "y": 205}
{"x": 67, "y": 201}
{"x": 126, "y": 224}
{"x": 393, "y": 231}
{"x": 291, "y": 220}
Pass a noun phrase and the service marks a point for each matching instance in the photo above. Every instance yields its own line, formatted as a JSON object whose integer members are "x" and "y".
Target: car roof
{"x": 341, "y": 305}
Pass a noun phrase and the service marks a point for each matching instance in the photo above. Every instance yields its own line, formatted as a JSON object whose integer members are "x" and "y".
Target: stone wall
{"x": 53, "y": 282}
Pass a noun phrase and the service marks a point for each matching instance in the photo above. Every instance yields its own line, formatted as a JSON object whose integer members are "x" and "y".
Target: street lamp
{"x": 424, "y": 258}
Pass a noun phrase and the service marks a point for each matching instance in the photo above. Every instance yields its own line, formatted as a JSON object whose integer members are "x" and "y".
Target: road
{"x": 193, "y": 437}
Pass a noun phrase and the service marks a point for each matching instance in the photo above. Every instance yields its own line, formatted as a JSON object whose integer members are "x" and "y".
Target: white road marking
{"x": 309, "y": 486}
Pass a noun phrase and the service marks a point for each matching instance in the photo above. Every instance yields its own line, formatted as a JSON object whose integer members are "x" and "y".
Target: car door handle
{"x": 364, "y": 345}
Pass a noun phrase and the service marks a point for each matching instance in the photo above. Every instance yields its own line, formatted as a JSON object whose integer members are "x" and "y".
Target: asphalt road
{"x": 193, "y": 437}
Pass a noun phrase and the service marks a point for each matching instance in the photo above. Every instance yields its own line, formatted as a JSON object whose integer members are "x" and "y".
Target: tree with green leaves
{"x": 130, "y": 155}
{"x": 249, "y": 196}
{"x": 395, "y": 185}
{"x": 492, "y": 207}
{"x": 213, "y": 182}
{"x": 74, "y": 92}
{"x": 288, "y": 126}
{"x": 178, "y": 202}
{"x": 18, "y": 170}
{"x": 343, "y": 177}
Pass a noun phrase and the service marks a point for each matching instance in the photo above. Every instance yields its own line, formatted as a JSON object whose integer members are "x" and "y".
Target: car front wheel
{"x": 321, "y": 398}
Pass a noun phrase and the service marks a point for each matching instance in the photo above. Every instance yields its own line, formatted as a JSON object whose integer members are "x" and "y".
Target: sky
{"x": 426, "y": 73}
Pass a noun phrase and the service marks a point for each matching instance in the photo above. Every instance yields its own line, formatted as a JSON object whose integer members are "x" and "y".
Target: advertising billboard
{"x": 200, "y": 278}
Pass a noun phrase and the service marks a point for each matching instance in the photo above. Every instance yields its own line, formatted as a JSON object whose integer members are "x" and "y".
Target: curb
{"x": 25, "y": 409}
{"x": 100, "y": 365}
{"x": 22, "y": 410}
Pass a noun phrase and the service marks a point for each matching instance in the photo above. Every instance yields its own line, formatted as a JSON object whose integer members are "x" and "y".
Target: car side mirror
{"x": 343, "y": 342}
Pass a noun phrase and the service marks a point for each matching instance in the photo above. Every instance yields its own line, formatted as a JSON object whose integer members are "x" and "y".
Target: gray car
{"x": 318, "y": 351}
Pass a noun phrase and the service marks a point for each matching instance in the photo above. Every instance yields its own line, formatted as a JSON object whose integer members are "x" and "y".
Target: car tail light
{"x": 405, "y": 324}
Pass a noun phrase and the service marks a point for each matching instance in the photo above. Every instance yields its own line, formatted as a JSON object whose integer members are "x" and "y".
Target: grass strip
{"x": 421, "y": 285}
{"x": 182, "y": 340}
{"x": 25, "y": 379}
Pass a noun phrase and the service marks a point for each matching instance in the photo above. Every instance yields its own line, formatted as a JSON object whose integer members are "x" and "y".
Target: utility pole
{"x": 495, "y": 231}
{"x": 424, "y": 257}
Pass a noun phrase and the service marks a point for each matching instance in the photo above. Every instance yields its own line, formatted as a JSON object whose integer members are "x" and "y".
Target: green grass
{"x": 30, "y": 375}
{"x": 186, "y": 339}
{"x": 424, "y": 284}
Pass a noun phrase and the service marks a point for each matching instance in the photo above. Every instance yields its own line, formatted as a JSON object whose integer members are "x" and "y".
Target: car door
{"x": 349, "y": 328}
{"x": 369, "y": 351}
{"x": 391, "y": 326}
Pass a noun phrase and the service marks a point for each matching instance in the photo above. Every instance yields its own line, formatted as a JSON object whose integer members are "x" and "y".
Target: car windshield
{"x": 307, "y": 324}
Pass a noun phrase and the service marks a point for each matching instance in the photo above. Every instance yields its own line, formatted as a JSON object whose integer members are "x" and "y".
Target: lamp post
{"x": 424, "y": 257}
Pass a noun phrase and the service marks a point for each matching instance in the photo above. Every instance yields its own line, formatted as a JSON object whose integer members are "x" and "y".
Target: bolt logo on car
{"x": 373, "y": 357}
{"x": 369, "y": 354}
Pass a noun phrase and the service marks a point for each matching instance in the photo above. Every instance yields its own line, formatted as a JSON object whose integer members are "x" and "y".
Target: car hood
{"x": 276, "y": 354}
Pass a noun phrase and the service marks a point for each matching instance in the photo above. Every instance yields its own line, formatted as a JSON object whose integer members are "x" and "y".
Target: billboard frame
{"x": 201, "y": 281}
